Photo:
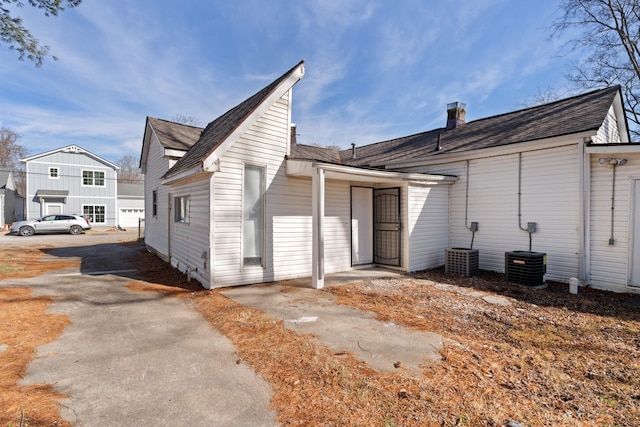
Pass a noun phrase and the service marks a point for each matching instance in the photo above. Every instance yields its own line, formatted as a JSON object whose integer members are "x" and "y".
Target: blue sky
{"x": 374, "y": 69}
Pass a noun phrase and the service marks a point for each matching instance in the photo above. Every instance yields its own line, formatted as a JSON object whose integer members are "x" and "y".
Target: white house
{"x": 241, "y": 202}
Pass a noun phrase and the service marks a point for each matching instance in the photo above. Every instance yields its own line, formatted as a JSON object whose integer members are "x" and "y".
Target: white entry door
{"x": 635, "y": 249}
{"x": 53, "y": 208}
{"x": 361, "y": 225}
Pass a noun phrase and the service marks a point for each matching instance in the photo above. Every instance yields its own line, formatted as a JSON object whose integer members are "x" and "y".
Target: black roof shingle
{"x": 173, "y": 135}
{"x": 218, "y": 130}
{"x": 581, "y": 113}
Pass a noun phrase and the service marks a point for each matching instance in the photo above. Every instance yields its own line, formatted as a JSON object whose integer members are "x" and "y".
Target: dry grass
{"x": 20, "y": 262}
{"x": 549, "y": 359}
{"x": 24, "y": 325}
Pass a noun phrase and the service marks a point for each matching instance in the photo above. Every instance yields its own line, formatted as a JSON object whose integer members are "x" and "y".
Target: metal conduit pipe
{"x": 531, "y": 226}
{"x": 612, "y": 163}
{"x": 474, "y": 225}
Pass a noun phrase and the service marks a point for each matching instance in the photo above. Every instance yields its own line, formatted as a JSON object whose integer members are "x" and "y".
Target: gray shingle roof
{"x": 218, "y": 130}
{"x": 577, "y": 114}
{"x": 133, "y": 189}
{"x": 310, "y": 152}
{"x": 175, "y": 136}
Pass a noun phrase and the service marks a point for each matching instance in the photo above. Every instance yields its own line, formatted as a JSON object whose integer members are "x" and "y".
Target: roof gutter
{"x": 305, "y": 168}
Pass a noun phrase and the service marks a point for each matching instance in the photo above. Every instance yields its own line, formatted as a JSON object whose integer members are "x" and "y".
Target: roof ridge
{"x": 217, "y": 131}
{"x": 547, "y": 104}
{"x": 174, "y": 123}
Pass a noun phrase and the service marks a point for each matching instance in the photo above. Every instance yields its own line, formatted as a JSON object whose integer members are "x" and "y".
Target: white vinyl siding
{"x": 190, "y": 239}
{"x": 550, "y": 184}
{"x": 427, "y": 226}
{"x": 609, "y": 267}
{"x": 608, "y": 132}
{"x": 337, "y": 227}
{"x": 265, "y": 140}
{"x": 156, "y": 226}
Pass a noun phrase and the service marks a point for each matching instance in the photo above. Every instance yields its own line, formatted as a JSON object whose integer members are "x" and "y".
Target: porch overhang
{"x": 306, "y": 168}
{"x": 318, "y": 172}
{"x": 52, "y": 194}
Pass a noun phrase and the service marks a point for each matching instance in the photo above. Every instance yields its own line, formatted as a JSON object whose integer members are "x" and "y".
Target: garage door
{"x": 129, "y": 217}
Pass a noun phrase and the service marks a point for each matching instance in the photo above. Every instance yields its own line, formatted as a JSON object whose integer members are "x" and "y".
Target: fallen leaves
{"x": 24, "y": 325}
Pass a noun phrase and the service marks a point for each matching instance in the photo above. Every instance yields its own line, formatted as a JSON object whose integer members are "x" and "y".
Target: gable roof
{"x": 581, "y": 113}
{"x": 176, "y": 136}
{"x": 5, "y": 174}
{"x": 72, "y": 149}
{"x": 217, "y": 132}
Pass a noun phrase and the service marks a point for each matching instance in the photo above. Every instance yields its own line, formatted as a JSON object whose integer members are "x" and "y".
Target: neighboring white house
{"x": 130, "y": 204}
{"x": 72, "y": 180}
{"x": 11, "y": 202}
{"x": 241, "y": 202}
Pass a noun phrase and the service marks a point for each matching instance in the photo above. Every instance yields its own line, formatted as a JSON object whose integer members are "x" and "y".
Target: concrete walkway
{"x": 386, "y": 347}
{"x": 139, "y": 358}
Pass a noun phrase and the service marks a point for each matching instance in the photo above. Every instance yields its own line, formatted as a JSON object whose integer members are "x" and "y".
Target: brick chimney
{"x": 456, "y": 112}
{"x": 294, "y": 139}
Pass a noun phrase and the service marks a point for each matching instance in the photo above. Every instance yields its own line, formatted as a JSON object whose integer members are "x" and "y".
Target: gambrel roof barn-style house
{"x": 240, "y": 202}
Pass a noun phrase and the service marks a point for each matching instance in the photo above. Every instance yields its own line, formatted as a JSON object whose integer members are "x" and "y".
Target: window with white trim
{"x": 54, "y": 173}
{"x": 95, "y": 213}
{"x": 253, "y": 216}
{"x": 93, "y": 178}
{"x": 182, "y": 209}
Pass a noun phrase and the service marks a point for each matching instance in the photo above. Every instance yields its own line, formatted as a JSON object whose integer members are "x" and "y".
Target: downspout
{"x": 584, "y": 191}
{"x": 612, "y": 240}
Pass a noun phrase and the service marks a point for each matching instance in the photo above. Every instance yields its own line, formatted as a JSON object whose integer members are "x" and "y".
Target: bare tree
{"x": 129, "y": 169}
{"x": 10, "y": 151}
{"x": 17, "y": 37}
{"x": 610, "y": 32}
{"x": 10, "y": 154}
{"x": 185, "y": 120}
{"x": 545, "y": 96}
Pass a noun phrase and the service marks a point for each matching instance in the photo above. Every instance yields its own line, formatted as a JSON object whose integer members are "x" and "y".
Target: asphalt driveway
{"x": 135, "y": 358}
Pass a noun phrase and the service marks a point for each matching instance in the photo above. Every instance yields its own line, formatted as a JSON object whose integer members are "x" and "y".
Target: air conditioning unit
{"x": 525, "y": 268}
{"x": 461, "y": 261}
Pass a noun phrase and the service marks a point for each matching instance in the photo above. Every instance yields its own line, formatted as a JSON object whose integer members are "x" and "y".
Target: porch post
{"x": 317, "y": 276}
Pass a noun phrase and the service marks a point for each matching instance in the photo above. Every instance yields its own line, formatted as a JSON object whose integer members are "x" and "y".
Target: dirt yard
{"x": 548, "y": 359}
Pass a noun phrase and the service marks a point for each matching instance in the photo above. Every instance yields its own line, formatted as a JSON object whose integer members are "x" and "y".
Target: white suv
{"x": 58, "y": 223}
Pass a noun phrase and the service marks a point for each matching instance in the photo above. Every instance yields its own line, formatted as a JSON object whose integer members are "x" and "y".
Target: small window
{"x": 93, "y": 178}
{"x": 95, "y": 213}
{"x": 154, "y": 203}
{"x": 54, "y": 173}
{"x": 182, "y": 209}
